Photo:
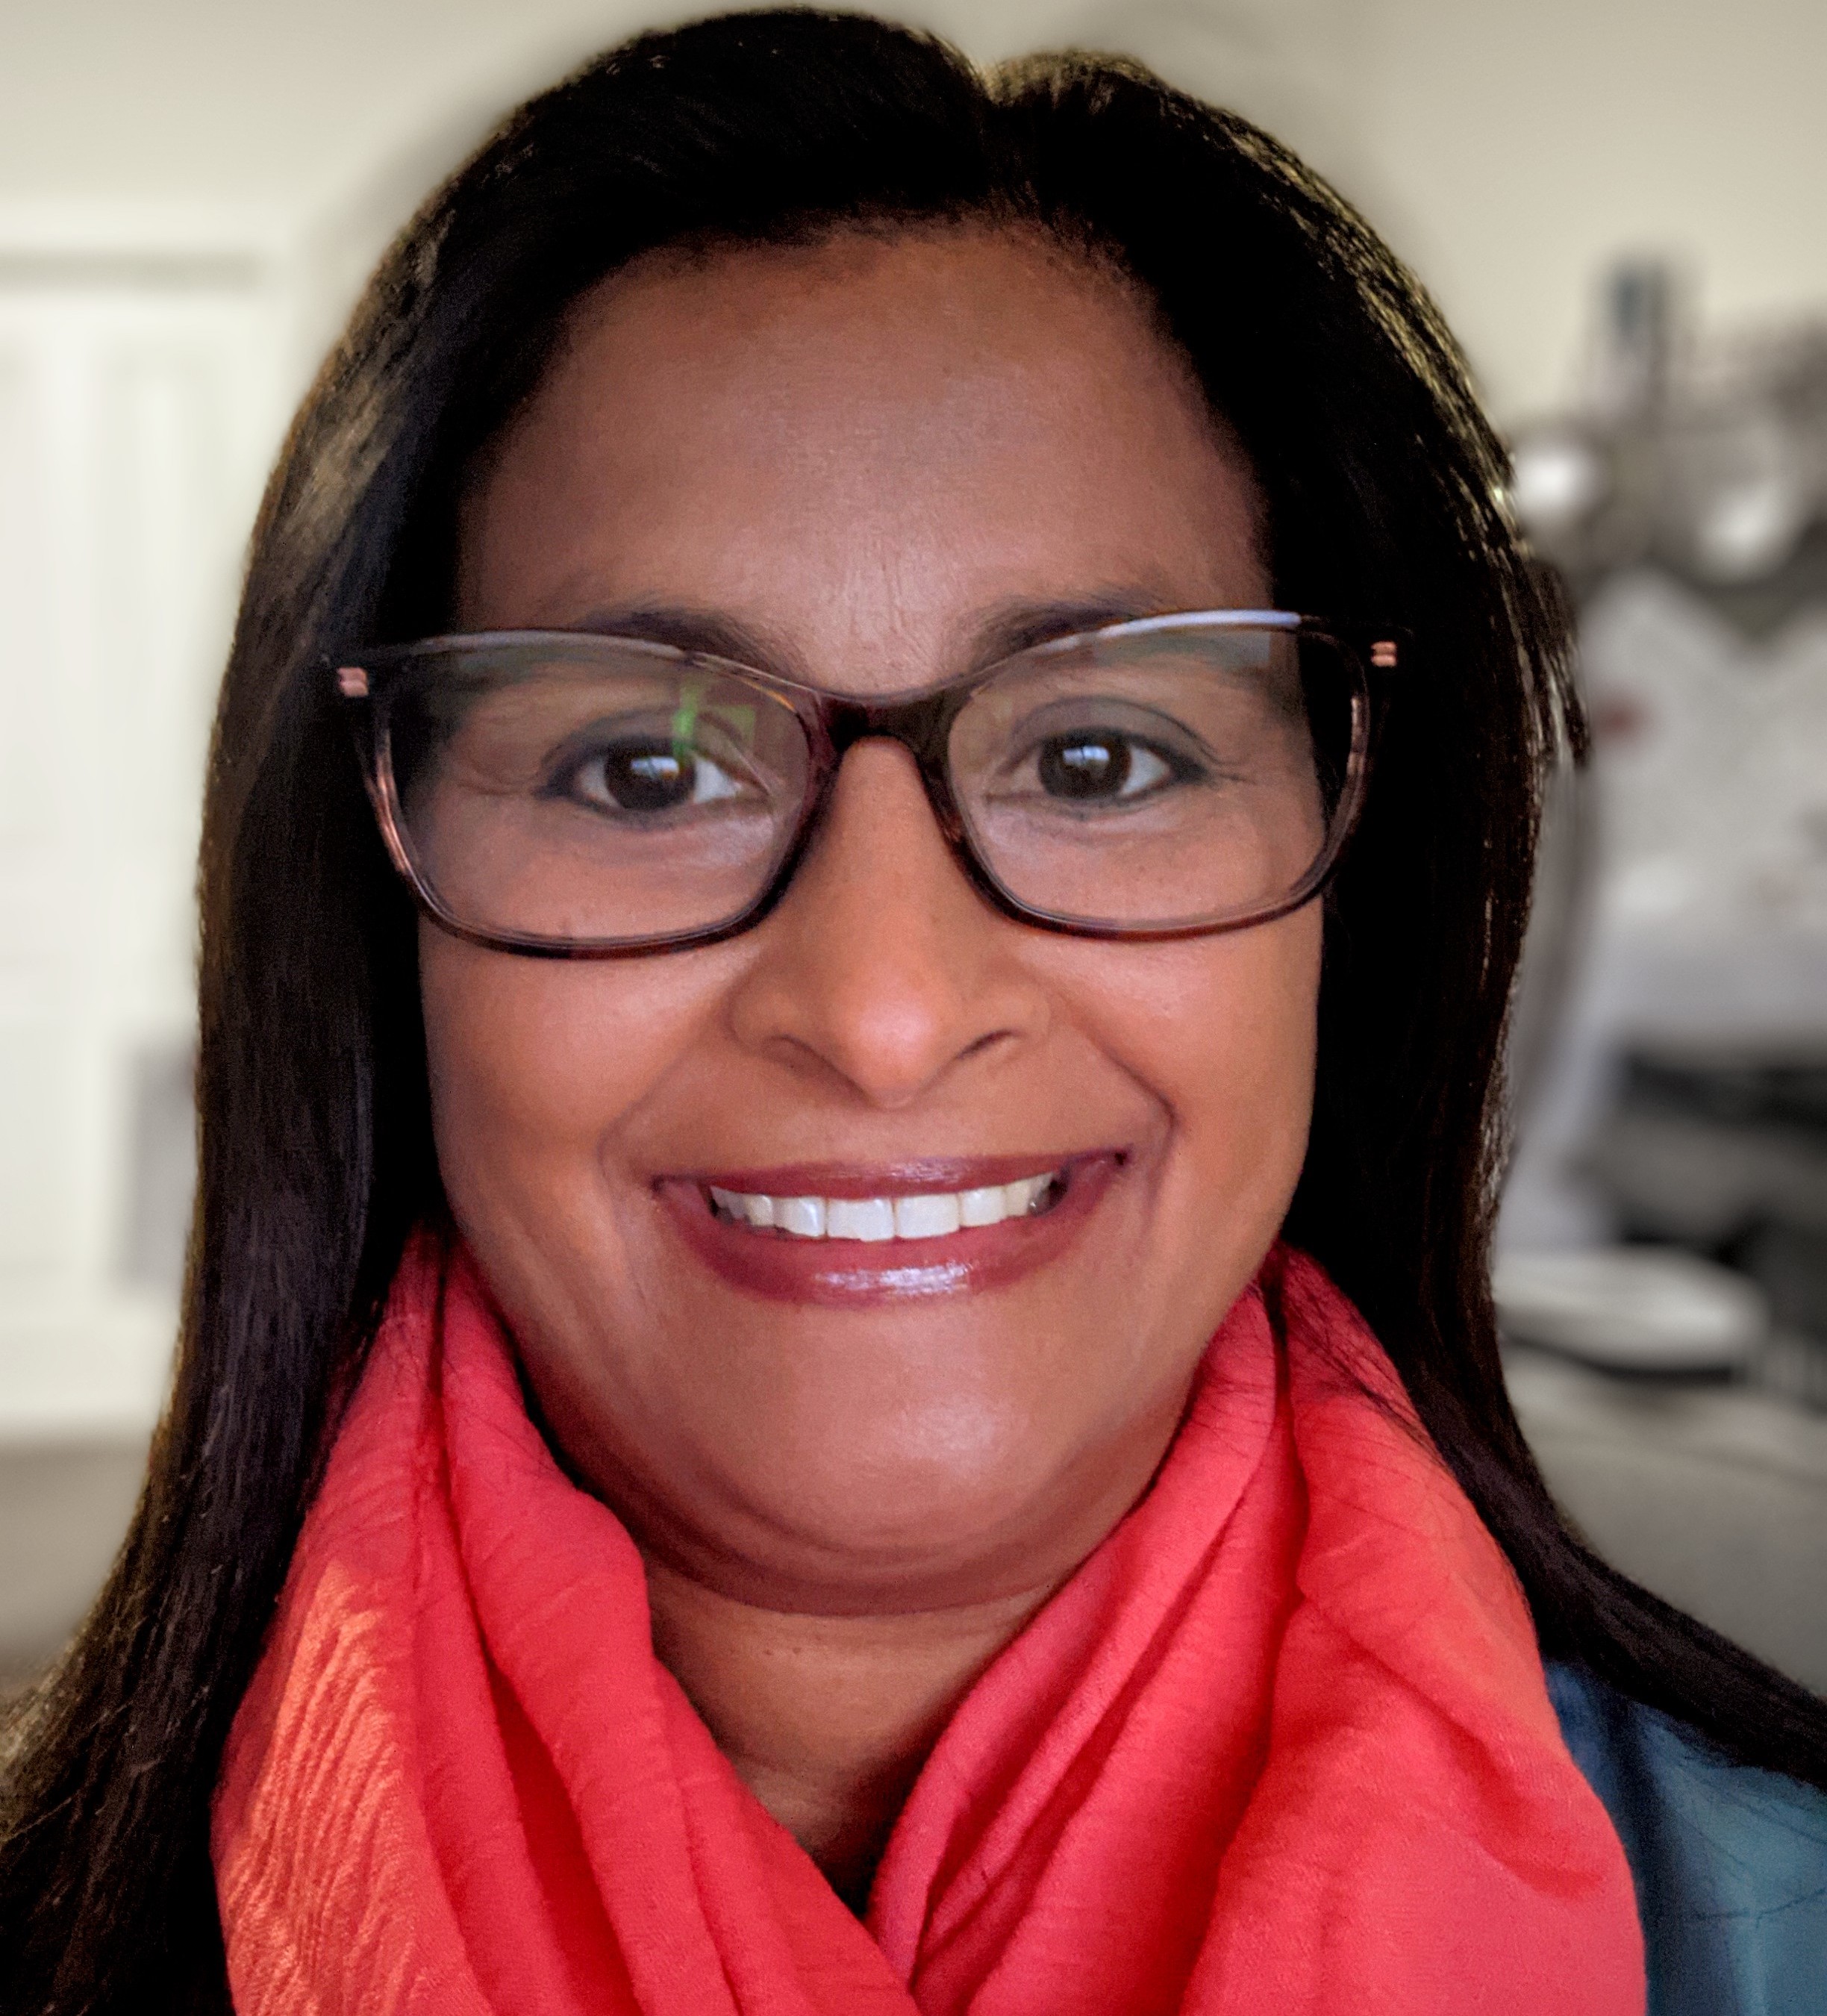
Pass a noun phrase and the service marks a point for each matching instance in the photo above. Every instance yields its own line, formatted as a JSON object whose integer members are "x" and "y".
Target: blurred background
{"x": 1617, "y": 203}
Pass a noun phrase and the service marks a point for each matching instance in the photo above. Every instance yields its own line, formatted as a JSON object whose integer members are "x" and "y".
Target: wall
{"x": 1514, "y": 147}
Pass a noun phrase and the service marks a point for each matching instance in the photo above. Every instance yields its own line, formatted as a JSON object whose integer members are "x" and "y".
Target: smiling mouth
{"x": 851, "y": 1236}
{"x": 877, "y": 1220}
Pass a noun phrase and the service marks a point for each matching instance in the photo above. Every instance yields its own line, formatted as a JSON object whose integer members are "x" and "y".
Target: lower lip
{"x": 853, "y": 1273}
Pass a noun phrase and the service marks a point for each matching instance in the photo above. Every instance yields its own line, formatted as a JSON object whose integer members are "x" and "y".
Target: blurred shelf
{"x": 1713, "y": 1496}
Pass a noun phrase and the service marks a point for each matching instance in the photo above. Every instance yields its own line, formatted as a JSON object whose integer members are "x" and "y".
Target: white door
{"x": 140, "y": 405}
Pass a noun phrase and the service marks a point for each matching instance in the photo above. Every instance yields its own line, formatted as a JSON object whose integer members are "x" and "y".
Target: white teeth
{"x": 872, "y": 1218}
{"x": 987, "y": 1207}
{"x": 926, "y": 1217}
{"x": 803, "y": 1217}
{"x": 758, "y": 1210}
{"x": 933, "y": 1215}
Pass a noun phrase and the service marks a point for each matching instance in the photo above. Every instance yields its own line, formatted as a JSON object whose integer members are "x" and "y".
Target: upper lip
{"x": 914, "y": 1177}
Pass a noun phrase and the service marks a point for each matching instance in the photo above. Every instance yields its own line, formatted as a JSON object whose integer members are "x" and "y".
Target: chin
{"x": 952, "y": 1502}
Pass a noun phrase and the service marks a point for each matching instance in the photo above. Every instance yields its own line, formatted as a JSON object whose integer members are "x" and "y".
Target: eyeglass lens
{"x": 603, "y": 794}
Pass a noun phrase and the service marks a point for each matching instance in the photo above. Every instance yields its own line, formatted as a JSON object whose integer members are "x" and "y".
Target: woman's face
{"x": 874, "y": 463}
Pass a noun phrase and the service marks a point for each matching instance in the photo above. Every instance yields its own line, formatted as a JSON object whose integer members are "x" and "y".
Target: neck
{"x": 827, "y": 1719}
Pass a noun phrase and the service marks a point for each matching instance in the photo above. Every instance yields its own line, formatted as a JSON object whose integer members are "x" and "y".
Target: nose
{"x": 883, "y": 966}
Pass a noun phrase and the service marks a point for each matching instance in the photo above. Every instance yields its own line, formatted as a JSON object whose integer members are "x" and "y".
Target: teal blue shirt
{"x": 1730, "y": 1862}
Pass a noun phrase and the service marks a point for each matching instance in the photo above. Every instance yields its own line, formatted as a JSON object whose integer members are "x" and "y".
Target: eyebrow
{"x": 1014, "y": 627}
{"x": 703, "y": 632}
{"x": 1020, "y": 626}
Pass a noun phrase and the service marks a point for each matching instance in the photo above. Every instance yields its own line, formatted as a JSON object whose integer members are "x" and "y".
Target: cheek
{"x": 1222, "y": 1032}
{"x": 533, "y": 1063}
{"x": 1260, "y": 1007}
{"x": 501, "y": 1057}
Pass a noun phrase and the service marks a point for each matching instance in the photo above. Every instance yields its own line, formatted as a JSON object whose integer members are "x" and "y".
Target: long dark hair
{"x": 1384, "y": 487}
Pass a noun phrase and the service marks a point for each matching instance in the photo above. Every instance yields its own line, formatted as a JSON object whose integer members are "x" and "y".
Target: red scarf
{"x": 1281, "y": 1745}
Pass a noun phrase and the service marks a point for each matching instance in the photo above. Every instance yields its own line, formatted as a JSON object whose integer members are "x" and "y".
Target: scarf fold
{"x": 1282, "y": 1742}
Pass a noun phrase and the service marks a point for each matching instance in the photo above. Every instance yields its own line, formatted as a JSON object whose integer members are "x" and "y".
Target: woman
{"x": 768, "y": 1414}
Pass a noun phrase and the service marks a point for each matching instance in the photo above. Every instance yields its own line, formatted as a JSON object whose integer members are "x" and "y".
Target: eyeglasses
{"x": 571, "y": 795}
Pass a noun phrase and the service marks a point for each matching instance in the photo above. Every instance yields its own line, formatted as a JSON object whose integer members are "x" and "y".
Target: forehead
{"x": 860, "y": 451}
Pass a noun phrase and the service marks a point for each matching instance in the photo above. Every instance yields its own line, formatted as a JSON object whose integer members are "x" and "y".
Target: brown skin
{"x": 866, "y": 454}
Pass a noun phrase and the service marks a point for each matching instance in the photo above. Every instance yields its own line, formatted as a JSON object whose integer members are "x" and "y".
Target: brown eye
{"x": 647, "y": 776}
{"x": 1093, "y": 766}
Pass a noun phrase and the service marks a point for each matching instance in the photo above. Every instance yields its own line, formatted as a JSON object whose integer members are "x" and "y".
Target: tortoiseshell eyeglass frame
{"x": 834, "y": 722}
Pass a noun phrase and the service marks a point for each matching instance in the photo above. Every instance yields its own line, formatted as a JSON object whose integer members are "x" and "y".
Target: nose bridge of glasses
{"x": 920, "y": 725}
